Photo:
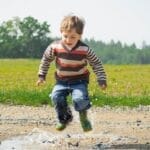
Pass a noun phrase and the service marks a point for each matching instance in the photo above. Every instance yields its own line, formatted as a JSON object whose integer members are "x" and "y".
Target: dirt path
{"x": 23, "y": 127}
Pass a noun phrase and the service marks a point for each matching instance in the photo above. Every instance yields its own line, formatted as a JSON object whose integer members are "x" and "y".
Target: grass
{"x": 128, "y": 85}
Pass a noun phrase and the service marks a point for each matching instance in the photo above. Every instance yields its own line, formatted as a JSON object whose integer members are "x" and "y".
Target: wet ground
{"x": 33, "y": 128}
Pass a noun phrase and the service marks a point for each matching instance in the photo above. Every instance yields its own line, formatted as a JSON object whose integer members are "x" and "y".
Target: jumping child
{"x": 71, "y": 57}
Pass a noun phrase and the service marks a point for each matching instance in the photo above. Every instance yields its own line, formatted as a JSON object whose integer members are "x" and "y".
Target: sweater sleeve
{"x": 97, "y": 67}
{"x": 47, "y": 58}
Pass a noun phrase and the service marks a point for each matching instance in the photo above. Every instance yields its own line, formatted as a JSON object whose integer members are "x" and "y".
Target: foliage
{"x": 25, "y": 38}
{"x": 128, "y": 85}
{"x": 28, "y": 38}
{"x": 116, "y": 53}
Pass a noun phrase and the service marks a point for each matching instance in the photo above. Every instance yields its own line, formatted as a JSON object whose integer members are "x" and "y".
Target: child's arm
{"x": 47, "y": 58}
{"x": 98, "y": 69}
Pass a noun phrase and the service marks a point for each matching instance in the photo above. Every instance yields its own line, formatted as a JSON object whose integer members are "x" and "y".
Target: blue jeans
{"x": 79, "y": 94}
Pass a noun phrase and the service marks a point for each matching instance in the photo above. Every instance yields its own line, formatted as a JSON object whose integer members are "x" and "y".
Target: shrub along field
{"x": 128, "y": 85}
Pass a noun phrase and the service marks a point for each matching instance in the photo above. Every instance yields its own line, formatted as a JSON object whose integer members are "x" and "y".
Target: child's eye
{"x": 73, "y": 37}
{"x": 65, "y": 36}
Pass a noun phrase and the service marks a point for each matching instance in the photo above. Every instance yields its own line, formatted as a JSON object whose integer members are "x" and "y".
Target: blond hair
{"x": 72, "y": 22}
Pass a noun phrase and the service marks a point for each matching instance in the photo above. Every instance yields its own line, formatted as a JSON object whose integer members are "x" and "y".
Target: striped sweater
{"x": 72, "y": 64}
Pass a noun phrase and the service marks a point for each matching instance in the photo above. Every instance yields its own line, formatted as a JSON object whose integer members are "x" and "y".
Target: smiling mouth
{"x": 69, "y": 44}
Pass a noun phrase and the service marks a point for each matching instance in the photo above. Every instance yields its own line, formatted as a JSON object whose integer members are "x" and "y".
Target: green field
{"x": 128, "y": 85}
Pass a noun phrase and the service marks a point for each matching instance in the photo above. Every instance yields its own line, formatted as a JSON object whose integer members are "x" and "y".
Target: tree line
{"x": 117, "y": 53}
{"x": 28, "y": 38}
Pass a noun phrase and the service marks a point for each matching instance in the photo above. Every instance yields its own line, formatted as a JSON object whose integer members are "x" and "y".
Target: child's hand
{"x": 40, "y": 81}
{"x": 103, "y": 87}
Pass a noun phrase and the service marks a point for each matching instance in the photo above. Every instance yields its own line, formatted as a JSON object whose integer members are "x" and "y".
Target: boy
{"x": 72, "y": 76}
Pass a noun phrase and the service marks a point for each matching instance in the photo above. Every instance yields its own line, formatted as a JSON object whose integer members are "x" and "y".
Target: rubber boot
{"x": 85, "y": 123}
{"x": 60, "y": 126}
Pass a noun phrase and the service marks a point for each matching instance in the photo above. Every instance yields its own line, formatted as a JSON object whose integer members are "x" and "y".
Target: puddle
{"x": 39, "y": 140}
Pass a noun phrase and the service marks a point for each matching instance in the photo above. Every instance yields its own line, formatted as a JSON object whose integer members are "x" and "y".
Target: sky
{"x": 127, "y": 21}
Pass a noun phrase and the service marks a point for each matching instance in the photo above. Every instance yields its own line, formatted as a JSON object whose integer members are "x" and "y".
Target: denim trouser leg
{"x": 79, "y": 95}
{"x": 58, "y": 97}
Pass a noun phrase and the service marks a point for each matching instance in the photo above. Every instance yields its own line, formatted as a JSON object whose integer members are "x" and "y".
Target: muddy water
{"x": 112, "y": 129}
{"x": 42, "y": 140}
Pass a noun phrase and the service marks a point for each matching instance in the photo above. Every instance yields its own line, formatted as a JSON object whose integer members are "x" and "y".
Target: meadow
{"x": 128, "y": 85}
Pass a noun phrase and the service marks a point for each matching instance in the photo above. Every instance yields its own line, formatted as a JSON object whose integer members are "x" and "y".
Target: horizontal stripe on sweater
{"x": 71, "y": 56}
{"x": 71, "y": 73}
{"x": 71, "y": 63}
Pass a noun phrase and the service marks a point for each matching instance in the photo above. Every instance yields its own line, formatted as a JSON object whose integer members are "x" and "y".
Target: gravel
{"x": 26, "y": 127}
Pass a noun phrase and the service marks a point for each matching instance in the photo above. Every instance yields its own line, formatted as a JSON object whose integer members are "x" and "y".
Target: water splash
{"x": 39, "y": 140}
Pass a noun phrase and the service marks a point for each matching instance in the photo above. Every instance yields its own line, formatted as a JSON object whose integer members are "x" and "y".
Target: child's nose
{"x": 68, "y": 40}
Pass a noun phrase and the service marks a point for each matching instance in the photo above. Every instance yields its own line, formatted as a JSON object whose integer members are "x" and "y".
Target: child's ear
{"x": 80, "y": 36}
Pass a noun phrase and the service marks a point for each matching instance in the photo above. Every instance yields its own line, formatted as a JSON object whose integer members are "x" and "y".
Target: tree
{"x": 8, "y": 38}
{"x": 27, "y": 38}
{"x": 116, "y": 53}
{"x": 35, "y": 36}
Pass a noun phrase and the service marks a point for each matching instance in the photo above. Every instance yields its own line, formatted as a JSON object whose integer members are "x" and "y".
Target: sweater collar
{"x": 69, "y": 50}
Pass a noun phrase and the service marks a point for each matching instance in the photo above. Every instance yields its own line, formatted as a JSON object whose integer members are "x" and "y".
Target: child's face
{"x": 70, "y": 38}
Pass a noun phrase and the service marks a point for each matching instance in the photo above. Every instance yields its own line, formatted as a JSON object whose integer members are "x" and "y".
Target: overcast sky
{"x": 125, "y": 20}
